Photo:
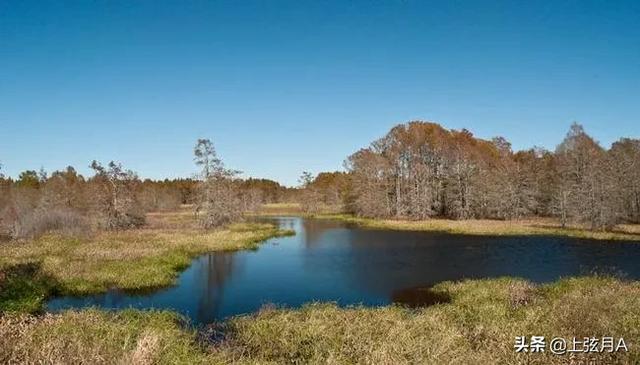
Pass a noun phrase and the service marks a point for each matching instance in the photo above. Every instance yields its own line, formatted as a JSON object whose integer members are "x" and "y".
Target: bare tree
{"x": 625, "y": 163}
{"x": 370, "y": 184}
{"x": 310, "y": 197}
{"x": 508, "y": 184}
{"x": 5, "y": 198}
{"x": 219, "y": 202}
{"x": 116, "y": 201}
{"x": 585, "y": 181}
{"x": 252, "y": 199}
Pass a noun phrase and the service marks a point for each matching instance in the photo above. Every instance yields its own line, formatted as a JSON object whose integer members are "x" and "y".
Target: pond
{"x": 332, "y": 261}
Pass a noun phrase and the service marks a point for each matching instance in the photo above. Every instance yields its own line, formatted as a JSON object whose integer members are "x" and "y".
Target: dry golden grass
{"x": 629, "y": 228}
{"x": 294, "y": 209}
{"x": 97, "y": 337}
{"x": 488, "y": 227}
{"x": 280, "y": 209}
{"x": 478, "y": 326}
{"x": 183, "y": 218}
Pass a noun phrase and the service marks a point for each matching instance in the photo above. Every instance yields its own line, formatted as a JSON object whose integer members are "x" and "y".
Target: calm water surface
{"x": 331, "y": 261}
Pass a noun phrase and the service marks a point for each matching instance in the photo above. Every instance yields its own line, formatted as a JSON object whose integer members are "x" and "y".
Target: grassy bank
{"x": 475, "y": 323}
{"x": 98, "y": 337}
{"x": 487, "y": 227}
{"x": 484, "y": 227}
{"x": 477, "y": 326}
{"x": 134, "y": 260}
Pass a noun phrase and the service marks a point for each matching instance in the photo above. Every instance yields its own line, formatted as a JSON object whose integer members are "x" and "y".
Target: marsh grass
{"x": 478, "y": 326}
{"x": 275, "y": 209}
{"x": 98, "y": 337}
{"x": 488, "y": 227}
{"x": 484, "y": 227}
{"x": 471, "y": 322}
{"x": 23, "y": 288}
{"x": 130, "y": 260}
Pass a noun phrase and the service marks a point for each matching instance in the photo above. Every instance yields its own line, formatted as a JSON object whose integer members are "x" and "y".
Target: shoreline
{"x": 33, "y": 271}
{"x": 477, "y": 324}
{"x": 471, "y": 319}
{"x": 478, "y": 227}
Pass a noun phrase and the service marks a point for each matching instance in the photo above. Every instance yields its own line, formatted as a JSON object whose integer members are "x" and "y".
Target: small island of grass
{"x": 138, "y": 259}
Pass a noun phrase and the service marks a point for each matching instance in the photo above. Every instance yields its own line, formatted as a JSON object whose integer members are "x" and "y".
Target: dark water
{"x": 330, "y": 261}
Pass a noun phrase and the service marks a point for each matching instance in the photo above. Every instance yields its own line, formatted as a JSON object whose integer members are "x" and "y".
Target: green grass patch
{"x": 24, "y": 288}
{"x": 131, "y": 260}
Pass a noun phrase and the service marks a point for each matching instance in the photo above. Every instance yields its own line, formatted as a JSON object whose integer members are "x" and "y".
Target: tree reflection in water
{"x": 217, "y": 269}
{"x": 331, "y": 261}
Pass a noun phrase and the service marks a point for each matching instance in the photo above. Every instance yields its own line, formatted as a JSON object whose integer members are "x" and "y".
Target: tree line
{"x": 116, "y": 198}
{"x": 420, "y": 170}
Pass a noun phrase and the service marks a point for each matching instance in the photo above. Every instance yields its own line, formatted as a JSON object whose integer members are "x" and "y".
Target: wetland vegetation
{"x": 478, "y": 325}
{"x": 64, "y": 234}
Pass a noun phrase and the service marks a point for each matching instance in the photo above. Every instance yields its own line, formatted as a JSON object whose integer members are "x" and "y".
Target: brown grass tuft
{"x": 145, "y": 351}
{"x": 521, "y": 293}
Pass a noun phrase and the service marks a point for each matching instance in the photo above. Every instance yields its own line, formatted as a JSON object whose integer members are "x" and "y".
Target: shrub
{"x": 124, "y": 220}
{"x": 40, "y": 221}
{"x": 115, "y": 196}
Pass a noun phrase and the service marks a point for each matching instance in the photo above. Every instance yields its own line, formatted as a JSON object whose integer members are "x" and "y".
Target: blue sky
{"x": 286, "y": 86}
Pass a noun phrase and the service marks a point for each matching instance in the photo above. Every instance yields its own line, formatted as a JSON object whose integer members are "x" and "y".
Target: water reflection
{"x": 330, "y": 261}
{"x": 419, "y": 297}
{"x": 215, "y": 272}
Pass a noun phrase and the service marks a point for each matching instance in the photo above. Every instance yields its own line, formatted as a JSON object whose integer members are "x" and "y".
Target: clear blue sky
{"x": 284, "y": 86}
